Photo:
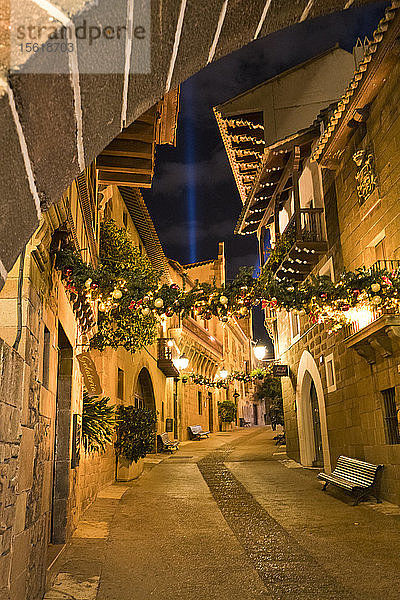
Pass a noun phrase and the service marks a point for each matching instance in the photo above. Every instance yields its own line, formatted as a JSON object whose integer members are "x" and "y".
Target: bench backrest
{"x": 195, "y": 429}
{"x": 165, "y": 438}
{"x": 356, "y": 471}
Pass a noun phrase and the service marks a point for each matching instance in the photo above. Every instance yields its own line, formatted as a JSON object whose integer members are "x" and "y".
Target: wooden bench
{"x": 196, "y": 432}
{"x": 354, "y": 476}
{"x": 243, "y": 422}
{"x": 166, "y": 444}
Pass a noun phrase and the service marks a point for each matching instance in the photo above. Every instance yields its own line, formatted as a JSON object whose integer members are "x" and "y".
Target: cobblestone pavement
{"x": 287, "y": 570}
{"x": 229, "y": 518}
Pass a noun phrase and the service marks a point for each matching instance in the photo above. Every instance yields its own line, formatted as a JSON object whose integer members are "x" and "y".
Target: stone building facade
{"x": 44, "y": 489}
{"x": 328, "y": 193}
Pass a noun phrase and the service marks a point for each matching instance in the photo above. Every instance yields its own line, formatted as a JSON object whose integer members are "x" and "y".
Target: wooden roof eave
{"x": 230, "y": 154}
{"x": 301, "y": 138}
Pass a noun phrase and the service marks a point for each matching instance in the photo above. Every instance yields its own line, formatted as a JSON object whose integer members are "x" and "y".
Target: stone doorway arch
{"x": 309, "y": 401}
{"x": 144, "y": 390}
{"x": 84, "y": 110}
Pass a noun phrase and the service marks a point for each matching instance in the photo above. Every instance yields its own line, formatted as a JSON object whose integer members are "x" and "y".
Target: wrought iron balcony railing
{"x": 368, "y": 315}
{"x": 166, "y": 353}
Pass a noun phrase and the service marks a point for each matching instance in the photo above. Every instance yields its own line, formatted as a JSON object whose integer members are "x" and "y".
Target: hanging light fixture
{"x": 181, "y": 363}
{"x": 223, "y": 373}
{"x": 260, "y": 352}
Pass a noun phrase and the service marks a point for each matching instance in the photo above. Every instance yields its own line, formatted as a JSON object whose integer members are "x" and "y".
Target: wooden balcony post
{"x": 276, "y": 217}
{"x": 296, "y": 191}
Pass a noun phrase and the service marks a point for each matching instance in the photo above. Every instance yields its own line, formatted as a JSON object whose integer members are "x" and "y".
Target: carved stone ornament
{"x": 365, "y": 175}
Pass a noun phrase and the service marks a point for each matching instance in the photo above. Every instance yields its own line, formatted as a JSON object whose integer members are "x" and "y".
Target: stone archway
{"x": 144, "y": 389}
{"x": 85, "y": 109}
{"x": 308, "y": 379}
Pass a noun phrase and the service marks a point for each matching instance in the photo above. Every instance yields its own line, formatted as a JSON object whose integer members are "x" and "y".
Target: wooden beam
{"x": 124, "y": 164}
{"x": 126, "y": 147}
{"x": 128, "y": 179}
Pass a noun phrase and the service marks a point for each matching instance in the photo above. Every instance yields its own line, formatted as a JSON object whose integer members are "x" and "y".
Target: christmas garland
{"x": 131, "y": 299}
{"x": 256, "y": 375}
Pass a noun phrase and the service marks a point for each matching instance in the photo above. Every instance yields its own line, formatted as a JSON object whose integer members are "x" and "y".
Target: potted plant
{"x": 227, "y": 414}
{"x": 136, "y": 430}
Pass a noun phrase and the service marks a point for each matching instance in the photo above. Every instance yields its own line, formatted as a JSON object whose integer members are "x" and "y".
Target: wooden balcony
{"x": 165, "y": 355}
{"x": 306, "y": 240}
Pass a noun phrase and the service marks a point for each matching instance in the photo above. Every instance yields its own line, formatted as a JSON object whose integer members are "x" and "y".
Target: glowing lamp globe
{"x": 260, "y": 352}
{"x": 223, "y": 373}
{"x": 181, "y": 363}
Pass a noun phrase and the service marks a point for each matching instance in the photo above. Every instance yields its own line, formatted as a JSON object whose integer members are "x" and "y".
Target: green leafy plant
{"x": 227, "y": 411}
{"x": 270, "y": 391}
{"x": 136, "y": 429}
{"x": 98, "y": 423}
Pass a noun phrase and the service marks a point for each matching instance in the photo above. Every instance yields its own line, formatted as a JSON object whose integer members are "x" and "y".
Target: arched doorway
{"x": 86, "y": 112}
{"x": 144, "y": 392}
{"x": 311, "y": 415}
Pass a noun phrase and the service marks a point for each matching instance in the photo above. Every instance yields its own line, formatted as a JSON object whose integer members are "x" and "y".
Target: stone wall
{"x": 354, "y": 410}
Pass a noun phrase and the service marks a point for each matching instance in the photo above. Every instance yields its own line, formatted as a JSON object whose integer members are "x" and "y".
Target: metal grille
{"x": 391, "y": 416}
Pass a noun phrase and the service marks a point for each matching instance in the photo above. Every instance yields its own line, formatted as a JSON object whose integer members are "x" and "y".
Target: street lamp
{"x": 223, "y": 373}
{"x": 181, "y": 363}
{"x": 260, "y": 352}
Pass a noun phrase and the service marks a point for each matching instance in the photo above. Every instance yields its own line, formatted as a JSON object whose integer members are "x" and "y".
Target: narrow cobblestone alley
{"x": 230, "y": 517}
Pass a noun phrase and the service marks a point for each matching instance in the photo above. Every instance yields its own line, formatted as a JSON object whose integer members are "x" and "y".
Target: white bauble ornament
{"x": 117, "y": 294}
{"x": 158, "y": 302}
{"x": 223, "y": 300}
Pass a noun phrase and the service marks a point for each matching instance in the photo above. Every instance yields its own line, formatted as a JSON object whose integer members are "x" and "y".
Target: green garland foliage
{"x": 255, "y": 375}
{"x": 227, "y": 411}
{"x": 136, "y": 429}
{"x": 131, "y": 298}
{"x": 98, "y": 423}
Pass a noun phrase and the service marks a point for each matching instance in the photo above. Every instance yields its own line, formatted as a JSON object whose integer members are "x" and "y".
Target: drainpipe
{"x": 19, "y": 299}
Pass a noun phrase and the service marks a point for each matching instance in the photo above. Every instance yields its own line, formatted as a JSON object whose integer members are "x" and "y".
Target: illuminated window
{"x": 294, "y": 326}
{"x": 327, "y": 269}
{"x": 330, "y": 373}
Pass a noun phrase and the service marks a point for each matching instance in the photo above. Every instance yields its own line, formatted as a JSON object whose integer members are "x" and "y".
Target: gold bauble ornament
{"x": 158, "y": 302}
{"x": 117, "y": 294}
{"x": 375, "y": 287}
{"x": 376, "y": 300}
{"x": 146, "y": 311}
{"x": 102, "y": 307}
{"x": 223, "y": 300}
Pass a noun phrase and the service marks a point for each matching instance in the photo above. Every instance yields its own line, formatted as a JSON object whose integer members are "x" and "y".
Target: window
{"x": 295, "y": 326}
{"x": 200, "y": 403}
{"x": 327, "y": 269}
{"x": 380, "y": 250}
{"x": 46, "y": 358}
{"x": 330, "y": 373}
{"x": 120, "y": 390}
{"x": 162, "y": 412}
{"x": 391, "y": 416}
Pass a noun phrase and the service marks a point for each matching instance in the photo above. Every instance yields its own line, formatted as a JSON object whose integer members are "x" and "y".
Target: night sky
{"x": 194, "y": 201}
